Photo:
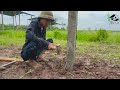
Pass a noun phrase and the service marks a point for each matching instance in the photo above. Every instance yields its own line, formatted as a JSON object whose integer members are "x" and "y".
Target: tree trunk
{"x": 2, "y": 20}
{"x": 13, "y": 19}
{"x": 13, "y": 22}
{"x": 31, "y": 17}
{"x": 19, "y": 19}
{"x": 71, "y": 41}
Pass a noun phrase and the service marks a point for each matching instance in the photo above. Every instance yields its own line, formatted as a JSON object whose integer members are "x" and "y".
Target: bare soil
{"x": 85, "y": 67}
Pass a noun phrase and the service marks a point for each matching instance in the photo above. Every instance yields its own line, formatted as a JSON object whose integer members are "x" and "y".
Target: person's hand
{"x": 51, "y": 46}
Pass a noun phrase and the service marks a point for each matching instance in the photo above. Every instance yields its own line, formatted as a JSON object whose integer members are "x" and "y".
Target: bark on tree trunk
{"x": 71, "y": 41}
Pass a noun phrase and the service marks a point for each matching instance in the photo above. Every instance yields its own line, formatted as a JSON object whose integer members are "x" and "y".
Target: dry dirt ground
{"x": 86, "y": 67}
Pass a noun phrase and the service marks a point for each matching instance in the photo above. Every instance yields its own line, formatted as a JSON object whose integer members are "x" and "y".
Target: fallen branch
{"x": 30, "y": 71}
{"x": 71, "y": 74}
{"x": 8, "y": 64}
{"x": 3, "y": 66}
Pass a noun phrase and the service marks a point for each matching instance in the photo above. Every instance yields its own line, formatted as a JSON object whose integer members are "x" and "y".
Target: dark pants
{"x": 33, "y": 50}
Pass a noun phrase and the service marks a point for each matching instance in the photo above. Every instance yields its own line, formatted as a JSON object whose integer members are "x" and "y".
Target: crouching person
{"x": 36, "y": 42}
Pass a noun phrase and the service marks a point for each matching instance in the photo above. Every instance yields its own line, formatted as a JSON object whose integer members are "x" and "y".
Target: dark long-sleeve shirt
{"x": 36, "y": 33}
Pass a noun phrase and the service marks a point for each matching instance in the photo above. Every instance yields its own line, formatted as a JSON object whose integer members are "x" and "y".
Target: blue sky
{"x": 86, "y": 19}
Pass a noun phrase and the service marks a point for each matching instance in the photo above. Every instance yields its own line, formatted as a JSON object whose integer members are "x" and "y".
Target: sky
{"x": 86, "y": 19}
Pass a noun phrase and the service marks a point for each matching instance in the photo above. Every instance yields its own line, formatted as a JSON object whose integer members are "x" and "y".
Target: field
{"x": 17, "y": 37}
{"x": 97, "y": 55}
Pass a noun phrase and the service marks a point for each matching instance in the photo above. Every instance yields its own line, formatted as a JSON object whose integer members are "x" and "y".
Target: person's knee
{"x": 29, "y": 51}
{"x": 24, "y": 56}
{"x": 50, "y": 40}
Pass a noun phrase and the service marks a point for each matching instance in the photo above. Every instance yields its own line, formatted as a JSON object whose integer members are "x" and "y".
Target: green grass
{"x": 57, "y": 34}
{"x": 17, "y": 37}
{"x": 114, "y": 37}
{"x": 85, "y": 36}
{"x": 99, "y": 51}
{"x": 108, "y": 48}
{"x": 12, "y": 38}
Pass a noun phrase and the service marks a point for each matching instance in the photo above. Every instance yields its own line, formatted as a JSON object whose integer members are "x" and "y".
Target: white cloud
{"x": 86, "y": 19}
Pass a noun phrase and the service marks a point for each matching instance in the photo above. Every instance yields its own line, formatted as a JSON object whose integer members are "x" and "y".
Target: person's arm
{"x": 30, "y": 35}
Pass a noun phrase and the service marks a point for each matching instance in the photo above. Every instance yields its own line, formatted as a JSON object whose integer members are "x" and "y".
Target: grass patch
{"x": 109, "y": 48}
{"x": 12, "y": 38}
{"x": 17, "y": 37}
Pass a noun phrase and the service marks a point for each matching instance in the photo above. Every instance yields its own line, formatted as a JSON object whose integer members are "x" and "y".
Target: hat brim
{"x": 47, "y": 18}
